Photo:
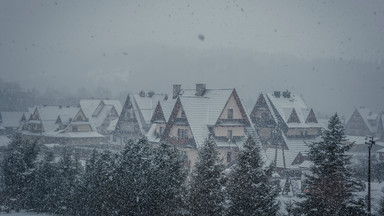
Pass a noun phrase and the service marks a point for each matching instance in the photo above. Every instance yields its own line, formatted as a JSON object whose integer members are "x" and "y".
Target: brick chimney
{"x": 176, "y": 91}
{"x": 200, "y": 89}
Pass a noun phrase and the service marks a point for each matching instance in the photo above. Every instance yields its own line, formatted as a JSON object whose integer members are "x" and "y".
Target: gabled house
{"x": 363, "y": 122}
{"x": 285, "y": 125}
{"x": 10, "y": 122}
{"x": 60, "y": 124}
{"x": 102, "y": 114}
{"x": 135, "y": 118}
{"x": 200, "y": 113}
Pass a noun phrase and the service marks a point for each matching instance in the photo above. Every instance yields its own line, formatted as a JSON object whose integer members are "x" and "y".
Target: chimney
{"x": 287, "y": 94}
{"x": 200, "y": 89}
{"x": 276, "y": 94}
{"x": 142, "y": 93}
{"x": 176, "y": 91}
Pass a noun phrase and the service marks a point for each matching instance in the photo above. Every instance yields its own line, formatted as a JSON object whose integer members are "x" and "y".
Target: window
{"x": 182, "y": 133}
{"x": 75, "y": 128}
{"x": 229, "y": 157}
{"x": 161, "y": 131}
{"x": 229, "y": 134}
{"x": 230, "y": 113}
{"x": 182, "y": 114}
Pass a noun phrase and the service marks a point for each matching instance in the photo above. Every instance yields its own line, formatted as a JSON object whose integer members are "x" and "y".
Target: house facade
{"x": 363, "y": 122}
{"x": 199, "y": 113}
{"x": 285, "y": 125}
{"x": 62, "y": 125}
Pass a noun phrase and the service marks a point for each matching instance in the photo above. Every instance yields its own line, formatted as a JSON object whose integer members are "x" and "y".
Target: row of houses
{"x": 280, "y": 122}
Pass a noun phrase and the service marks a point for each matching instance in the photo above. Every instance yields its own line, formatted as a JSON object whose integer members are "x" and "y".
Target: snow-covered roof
{"x": 285, "y": 107}
{"x": 4, "y": 141}
{"x": 367, "y": 116}
{"x": 97, "y": 110}
{"x": 203, "y": 111}
{"x": 147, "y": 105}
{"x": 112, "y": 125}
{"x": 49, "y": 114}
{"x": 12, "y": 119}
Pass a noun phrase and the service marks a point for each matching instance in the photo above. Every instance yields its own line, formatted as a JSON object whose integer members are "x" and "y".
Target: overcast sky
{"x": 68, "y": 44}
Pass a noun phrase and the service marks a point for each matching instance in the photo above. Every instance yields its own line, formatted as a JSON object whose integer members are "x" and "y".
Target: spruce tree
{"x": 381, "y": 205}
{"x": 132, "y": 191}
{"x": 45, "y": 184}
{"x": 18, "y": 171}
{"x": 249, "y": 190}
{"x": 331, "y": 184}
{"x": 206, "y": 196}
{"x": 168, "y": 176}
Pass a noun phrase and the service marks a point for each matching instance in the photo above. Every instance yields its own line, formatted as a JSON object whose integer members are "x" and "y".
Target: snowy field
{"x": 23, "y": 213}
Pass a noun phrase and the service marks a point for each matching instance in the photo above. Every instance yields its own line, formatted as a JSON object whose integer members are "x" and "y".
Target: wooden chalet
{"x": 285, "y": 125}
{"x": 199, "y": 113}
{"x": 363, "y": 122}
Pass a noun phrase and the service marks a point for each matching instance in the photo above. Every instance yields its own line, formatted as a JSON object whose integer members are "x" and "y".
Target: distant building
{"x": 200, "y": 113}
{"x": 363, "y": 122}
{"x": 285, "y": 125}
{"x": 10, "y": 122}
{"x": 60, "y": 124}
{"x": 102, "y": 114}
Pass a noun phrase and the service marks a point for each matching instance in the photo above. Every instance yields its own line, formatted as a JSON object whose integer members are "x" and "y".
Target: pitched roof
{"x": 289, "y": 107}
{"x": 48, "y": 115}
{"x": 97, "y": 110}
{"x": 147, "y": 105}
{"x": 4, "y": 141}
{"x": 12, "y": 119}
{"x": 367, "y": 116}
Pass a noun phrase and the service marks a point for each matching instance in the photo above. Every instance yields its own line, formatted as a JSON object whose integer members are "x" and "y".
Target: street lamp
{"x": 370, "y": 142}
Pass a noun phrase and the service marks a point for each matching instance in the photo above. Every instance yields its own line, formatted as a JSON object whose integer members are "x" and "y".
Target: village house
{"x": 102, "y": 114}
{"x": 10, "y": 122}
{"x": 285, "y": 125}
{"x": 135, "y": 119}
{"x": 62, "y": 125}
{"x": 364, "y": 123}
{"x": 199, "y": 113}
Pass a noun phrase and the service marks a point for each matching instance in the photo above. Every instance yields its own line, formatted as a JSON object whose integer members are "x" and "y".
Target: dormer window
{"x": 230, "y": 113}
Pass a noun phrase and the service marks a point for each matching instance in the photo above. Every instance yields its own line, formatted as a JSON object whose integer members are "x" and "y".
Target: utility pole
{"x": 370, "y": 142}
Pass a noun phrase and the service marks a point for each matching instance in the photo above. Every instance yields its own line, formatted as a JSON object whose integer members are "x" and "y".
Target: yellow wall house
{"x": 199, "y": 113}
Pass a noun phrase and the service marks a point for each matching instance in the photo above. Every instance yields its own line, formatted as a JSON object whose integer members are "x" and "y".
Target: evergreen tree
{"x": 66, "y": 181}
{"x": 206, "y": 196}
{"x": 168, "y": 176}
{"x": 18, "y": 165}
{"x": 45, "y": 184}
{"x": 132, "y": 191}
{"x": 381, "y": 207}
{"x": 331, "y": 184}
{"x": 96, "y": 191}
{"x": 249, "y": 190}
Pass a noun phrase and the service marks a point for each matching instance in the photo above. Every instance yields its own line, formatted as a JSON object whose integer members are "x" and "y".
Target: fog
{"x": 331, "y": 52}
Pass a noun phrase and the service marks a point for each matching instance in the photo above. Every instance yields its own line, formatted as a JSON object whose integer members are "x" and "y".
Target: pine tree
{"x": 168, "y": 176}
{"x": 249, "y": 190}
{"x": 96, "y": 191}
{"x": 18, "y": 166}
{"x": 206, "y": 196}
{"x": 66, "y": 181}
{"x": 331, "y": 184}
{"x": 132, "y": 191}
{"x": 381, "y": 207}
{"x": 45, "y": 184}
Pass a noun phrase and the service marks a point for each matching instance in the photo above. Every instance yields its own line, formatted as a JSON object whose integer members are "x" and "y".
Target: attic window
{"x": 293, "y": 117}
{"x": 230, "y": 113}
{"x": 75, "y": 128}
{"x": 229, "y": 134}
{"x": 183, "y": 114}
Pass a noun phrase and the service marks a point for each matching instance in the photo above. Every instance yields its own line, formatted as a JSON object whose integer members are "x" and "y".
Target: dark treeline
{"x": 15, "y": 98}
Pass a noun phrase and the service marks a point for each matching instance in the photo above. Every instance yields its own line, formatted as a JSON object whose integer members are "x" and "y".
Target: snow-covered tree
{"x": 249, "y": 190}
{"x": 132, "y": 191}
{"x": 96, "y": 192}
{"x": 206, "y": 196}
{"x": 168, "y": 176}
{"x": 67, "y": 180}
{"x": 18, "y": 171}
{"x": 381, "y": 207}
{"x": 44, "y": 185}
{"x": 330, "y": 186}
